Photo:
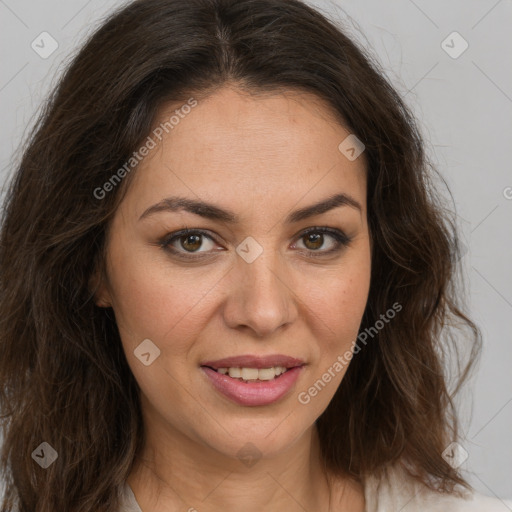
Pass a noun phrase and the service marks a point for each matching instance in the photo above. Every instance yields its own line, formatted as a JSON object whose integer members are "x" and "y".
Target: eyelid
{"x": 341, "y": 238}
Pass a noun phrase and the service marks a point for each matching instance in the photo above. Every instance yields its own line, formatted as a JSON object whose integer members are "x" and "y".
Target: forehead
{"x": 240, "y": 148}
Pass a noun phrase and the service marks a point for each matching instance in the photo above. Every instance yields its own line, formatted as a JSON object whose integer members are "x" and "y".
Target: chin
{"x": 258, "y": 437}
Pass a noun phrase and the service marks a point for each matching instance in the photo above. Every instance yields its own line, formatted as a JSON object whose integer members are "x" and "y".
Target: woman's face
{"x": 252, "y": 284}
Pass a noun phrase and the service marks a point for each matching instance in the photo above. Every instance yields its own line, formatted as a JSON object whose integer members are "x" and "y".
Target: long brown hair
{"x": 64, "y": 377}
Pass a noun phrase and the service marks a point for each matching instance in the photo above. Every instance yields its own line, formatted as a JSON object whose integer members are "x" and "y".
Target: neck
{"x": 175, "y": 472}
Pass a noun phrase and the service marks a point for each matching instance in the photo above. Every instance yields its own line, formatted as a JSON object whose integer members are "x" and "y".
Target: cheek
{"x": 339, "y": 305}
{"x": 337, "y": 309}
{"x": 151, "y": 301}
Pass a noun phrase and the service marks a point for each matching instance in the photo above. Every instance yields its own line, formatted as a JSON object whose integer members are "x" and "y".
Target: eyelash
{"x": 342, "y": 241}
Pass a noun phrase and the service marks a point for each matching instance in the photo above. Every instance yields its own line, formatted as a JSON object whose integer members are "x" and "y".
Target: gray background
{"x": 464, "y": 105}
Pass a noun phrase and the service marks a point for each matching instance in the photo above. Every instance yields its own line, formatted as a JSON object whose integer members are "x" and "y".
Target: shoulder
{"x": 396, "y": 490}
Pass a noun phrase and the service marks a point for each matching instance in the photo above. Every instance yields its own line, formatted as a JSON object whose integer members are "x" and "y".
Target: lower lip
{"x": 253, "y": 393}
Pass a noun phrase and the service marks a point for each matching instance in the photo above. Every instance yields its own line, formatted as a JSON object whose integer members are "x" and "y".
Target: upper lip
{"x": 252, "y": 361}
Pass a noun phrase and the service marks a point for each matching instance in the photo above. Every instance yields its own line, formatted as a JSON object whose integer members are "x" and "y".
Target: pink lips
{"x": 253, "y": 393}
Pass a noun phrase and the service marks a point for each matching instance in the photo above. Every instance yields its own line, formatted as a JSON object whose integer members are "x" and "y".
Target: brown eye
{"x": 196, "y": 243}
{"x": 324, "y": 241}
{"x": 190, "y": 242}
{"x": 313, "y": 241}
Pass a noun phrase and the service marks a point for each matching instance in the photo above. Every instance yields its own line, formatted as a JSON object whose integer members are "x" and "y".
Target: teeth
{"x": 266, "y": 373}
{"x": 235, "y": 372}
{"x": 247, "y": 374}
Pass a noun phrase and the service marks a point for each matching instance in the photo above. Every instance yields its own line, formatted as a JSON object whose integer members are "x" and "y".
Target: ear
{"x": 99, "y": 288}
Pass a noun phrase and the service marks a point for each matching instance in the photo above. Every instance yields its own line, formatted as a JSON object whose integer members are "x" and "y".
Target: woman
{"x": 225, "y": 278}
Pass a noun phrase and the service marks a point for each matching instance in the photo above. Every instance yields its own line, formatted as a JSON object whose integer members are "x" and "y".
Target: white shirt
{"x": 396, "y": 492}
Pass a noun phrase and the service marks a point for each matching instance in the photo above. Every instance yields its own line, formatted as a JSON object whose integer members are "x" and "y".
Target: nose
{"x": 261, "y": 296}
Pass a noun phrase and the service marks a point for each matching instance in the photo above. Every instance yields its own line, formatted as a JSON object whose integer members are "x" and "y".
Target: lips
{"x": 254, "y": 392}
{"x": 250, "y": 361}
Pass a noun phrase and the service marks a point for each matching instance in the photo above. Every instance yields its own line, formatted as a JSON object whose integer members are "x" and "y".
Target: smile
{"x": 253, "y": 374}
{"x": 252, "y": 380}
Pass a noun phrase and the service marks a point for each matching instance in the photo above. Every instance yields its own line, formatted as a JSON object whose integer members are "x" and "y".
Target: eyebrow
{"x": 213, "y": 212}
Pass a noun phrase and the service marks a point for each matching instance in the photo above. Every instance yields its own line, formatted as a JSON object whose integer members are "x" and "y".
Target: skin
{"x": 260, "y": 157}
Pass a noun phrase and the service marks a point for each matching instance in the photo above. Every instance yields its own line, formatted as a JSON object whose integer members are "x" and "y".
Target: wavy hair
{"x": 63, "y": 373}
